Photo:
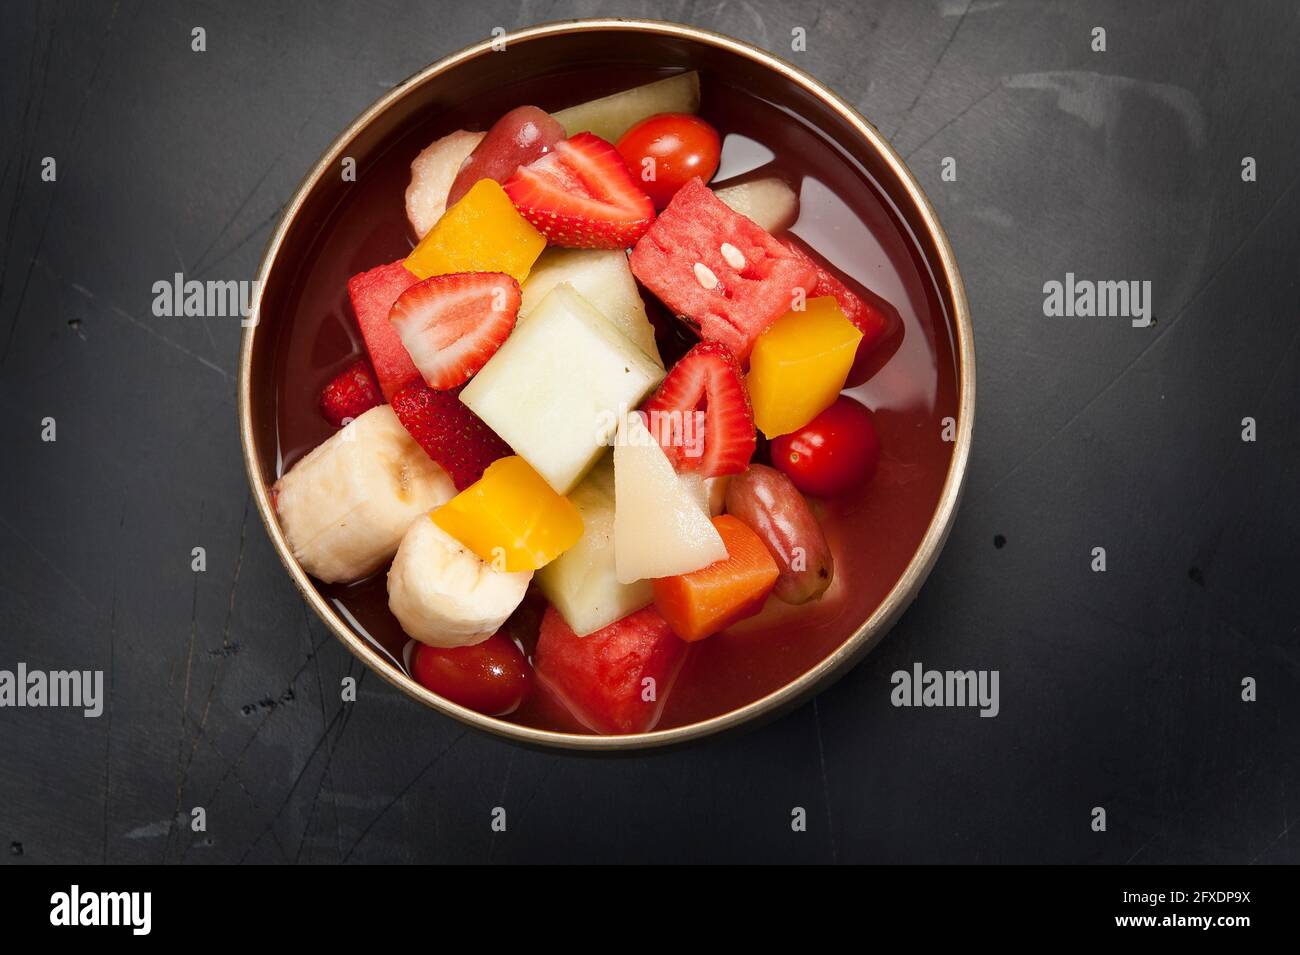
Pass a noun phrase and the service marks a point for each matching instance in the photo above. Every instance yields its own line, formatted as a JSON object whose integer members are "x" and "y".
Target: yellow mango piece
{"x": 798, "y": 366}
{"x": 481, "y": 233}
{"x": 511, "y": 518}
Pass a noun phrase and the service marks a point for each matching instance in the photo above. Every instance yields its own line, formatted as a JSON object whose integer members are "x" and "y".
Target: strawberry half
{"x": 707, "y": 379}
{"x": 350, "y": 395}
{"x": 581, "y": 195}
{"x": 451, "y": 434}
{"x": 452, "y": 324}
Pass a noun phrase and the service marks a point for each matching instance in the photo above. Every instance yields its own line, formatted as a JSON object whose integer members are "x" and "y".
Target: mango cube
{"x": 556, "y": 389}
{"x": 798, "y": 366}
{"x": 511, "y": 518}
{"x": 481, "y": 233}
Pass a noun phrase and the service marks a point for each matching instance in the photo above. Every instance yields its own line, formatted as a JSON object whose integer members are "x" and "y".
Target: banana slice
{"x": 444, "y": 595}
{"x": 432, "y": 173}
{"x": 345, "y": 506}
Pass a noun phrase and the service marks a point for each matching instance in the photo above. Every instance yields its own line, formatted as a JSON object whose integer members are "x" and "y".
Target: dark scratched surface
{"x": 1119, "y": 690}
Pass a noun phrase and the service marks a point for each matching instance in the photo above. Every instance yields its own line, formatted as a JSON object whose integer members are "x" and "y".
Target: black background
{"x": 1119, "y": 690}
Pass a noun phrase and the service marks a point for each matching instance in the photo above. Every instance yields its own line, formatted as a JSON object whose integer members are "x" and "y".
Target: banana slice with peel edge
{"x": 345, "y": 506}
{"x": 444, "y": 595}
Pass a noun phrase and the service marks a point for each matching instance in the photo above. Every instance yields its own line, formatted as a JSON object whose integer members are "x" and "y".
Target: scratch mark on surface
{"x": 1286, "y": 828}
{"x": 72, "y": 140}
{"x": 203, "y": 318}
{"x": 20, "y": 189}
{"x": 247, "y": 237}
{"x": 199, "y": 262}
{"x": 112, "y": 656}
{"x": 225, "y": 642}
{"x": 501, "y": 801}
{"x": 288, "y": 796}
{"x": 53, "y": 566}
{"x": 185, "y": 704}
{"x": 826, "y": 789}
{"x": 243, "y": 788}
{"x": 326, "y": 776}
{"x": 928, "y": 139}
{"x": 232, "y": 767}
{"x": 149, "y": 329}
{"x": 925, "y": 84}
{"x": 405, "y": 789}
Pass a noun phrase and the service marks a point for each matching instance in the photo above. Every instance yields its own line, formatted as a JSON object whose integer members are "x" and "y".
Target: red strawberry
{"x": 449, "y": 432}
{"x": 581, "y": 195}
{"x": 350, "y": 395}
{"x": 452, "y": 324}
{"x": 707, "y": 376}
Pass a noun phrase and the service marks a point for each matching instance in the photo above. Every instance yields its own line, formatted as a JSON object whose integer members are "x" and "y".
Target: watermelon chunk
{"x": 731, "y": 295}
{"x": 872, "y": 315}
{"x": 373, "y": 294}
{"x": 602, "y": 678}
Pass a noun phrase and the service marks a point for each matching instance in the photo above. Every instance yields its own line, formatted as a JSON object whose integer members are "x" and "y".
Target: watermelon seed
{"x": 704, "y": 275}
{"x": 735, "y": 258}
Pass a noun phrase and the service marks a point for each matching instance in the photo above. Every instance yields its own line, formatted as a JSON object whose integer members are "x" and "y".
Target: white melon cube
{"x": 661, "y": 527}
{"x": 581, "y": 583}
{"x": 554, "y": 390}
{"x": 611, "y": 116}
{"x": 601, "y": 276}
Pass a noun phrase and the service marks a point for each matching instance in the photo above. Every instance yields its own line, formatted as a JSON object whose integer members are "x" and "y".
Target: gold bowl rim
{"x": 899, "y": 596}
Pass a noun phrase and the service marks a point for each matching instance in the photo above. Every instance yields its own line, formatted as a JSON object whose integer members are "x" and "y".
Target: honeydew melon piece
{"x": 660, "y": 527}
{"x": 581, "y": 583}
{"x": 601, "y": 276}
{"x": 771, "y": 203}
{"x": 611, "y": 116}
{"x": 555, "y": 389}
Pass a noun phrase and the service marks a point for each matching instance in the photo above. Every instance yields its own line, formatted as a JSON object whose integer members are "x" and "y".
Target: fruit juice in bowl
{"x": 683, "y": 270}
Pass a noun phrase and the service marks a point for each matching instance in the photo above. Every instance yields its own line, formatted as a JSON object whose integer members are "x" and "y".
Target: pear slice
{"x": 661, "y": 529}
{"x": 769, "y": 202}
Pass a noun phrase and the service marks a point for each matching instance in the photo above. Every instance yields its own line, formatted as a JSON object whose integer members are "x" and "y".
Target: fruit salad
{"x": 605, "y": 411}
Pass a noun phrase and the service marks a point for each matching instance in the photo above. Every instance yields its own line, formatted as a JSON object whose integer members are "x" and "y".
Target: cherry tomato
{"x": 681, "y": 146}
{"x": 491, "y": 677}
{"x": 835, "y": 451}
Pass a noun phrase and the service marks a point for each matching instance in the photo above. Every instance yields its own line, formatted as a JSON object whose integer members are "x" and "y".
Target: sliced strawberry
{"x": 870, "y": 313}
{"x": 452, "y": 324}
{"x": 581, "y": 195}
{"x": 449, "y": 432}
{"x": 372, "y": 294}
{"x": 706, "y": 379}
{"x": 350, "y": 395}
